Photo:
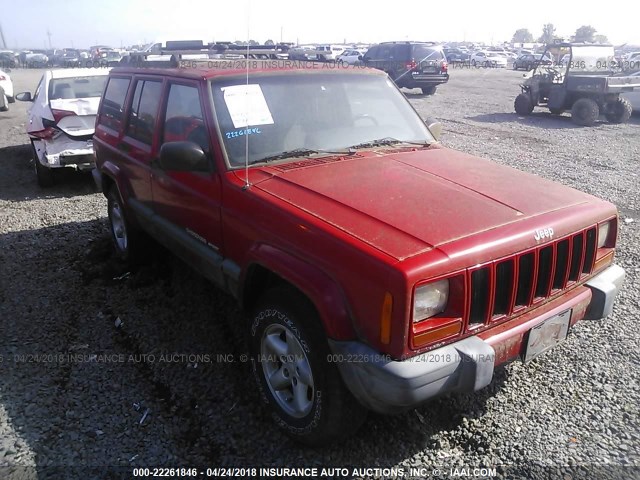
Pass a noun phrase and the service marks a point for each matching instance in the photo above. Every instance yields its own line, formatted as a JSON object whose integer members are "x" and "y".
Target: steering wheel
{"x": 553, "y": 73}
{"x": 366, "y": 116}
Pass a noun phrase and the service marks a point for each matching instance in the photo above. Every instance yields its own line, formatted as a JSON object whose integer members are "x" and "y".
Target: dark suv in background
{"x": 410, "y": 64}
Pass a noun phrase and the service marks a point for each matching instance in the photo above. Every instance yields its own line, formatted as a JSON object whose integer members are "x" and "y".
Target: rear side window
{"x": 400, "y": 52}
{"x": 112, "y": 111}
{"x": 144, "y": 110}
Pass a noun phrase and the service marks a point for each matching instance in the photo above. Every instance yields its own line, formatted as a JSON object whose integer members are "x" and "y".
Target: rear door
{"x": 137, "y": 142}
{"x": 188, "y": 202}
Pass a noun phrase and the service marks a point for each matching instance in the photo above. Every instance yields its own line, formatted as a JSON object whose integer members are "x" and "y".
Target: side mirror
{"x": 183, "y": 157}
{"x": 435, "y": 128}
{"x": 24, "y": 97}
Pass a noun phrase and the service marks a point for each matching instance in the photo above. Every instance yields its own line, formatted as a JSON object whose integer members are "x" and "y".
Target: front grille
{"x": 514, "y": 284}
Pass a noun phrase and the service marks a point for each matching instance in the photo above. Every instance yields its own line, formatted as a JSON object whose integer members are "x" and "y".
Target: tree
{"x": 584, "y": 34}
{"x": 253, "y": 43}
{"x": 601, "y": 39}
{"x": 548, "y": 34}
{"x": 522, "y": 35}
{"x": 269, "y": 42}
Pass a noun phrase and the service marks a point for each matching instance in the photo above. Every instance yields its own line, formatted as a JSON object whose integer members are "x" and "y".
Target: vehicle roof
{"x": 78, "y": 72}
{"x": 207, "y": 69}
{"x": 412, "y": 42}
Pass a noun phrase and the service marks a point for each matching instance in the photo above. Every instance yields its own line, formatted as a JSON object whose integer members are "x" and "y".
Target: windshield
{"x": 77, "y": 87}
{"x": 592, "y": 58}
{"x": 301, "y": 112}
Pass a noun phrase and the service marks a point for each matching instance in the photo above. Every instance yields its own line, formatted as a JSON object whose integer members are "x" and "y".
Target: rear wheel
{"x": 585, "y": 112}
{"x": 618, "y": 111}
{"x": 128, "y": 241}
{"x": 43, "y": 174}
{"x": 523, "y": 104}
{"x": 289, "y": 359}
{"x": 429, "y": 90}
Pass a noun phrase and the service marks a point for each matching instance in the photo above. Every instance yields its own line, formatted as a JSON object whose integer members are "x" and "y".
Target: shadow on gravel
{"x": 18, "y": 180}
{"x": 108, "y": 364}
{"x": 540, "y": 119}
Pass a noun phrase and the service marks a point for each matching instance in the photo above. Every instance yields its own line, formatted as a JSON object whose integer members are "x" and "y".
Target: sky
{"x": 81, "y": 23}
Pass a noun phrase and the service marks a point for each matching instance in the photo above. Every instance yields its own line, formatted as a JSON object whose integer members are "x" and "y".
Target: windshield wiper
{"x": 386, "y": 141}
{"x": 302, "y": 152}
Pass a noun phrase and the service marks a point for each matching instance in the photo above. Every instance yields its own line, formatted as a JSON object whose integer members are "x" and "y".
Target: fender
{"x": 323, "y": 291}
{"x": 111, "y": 170}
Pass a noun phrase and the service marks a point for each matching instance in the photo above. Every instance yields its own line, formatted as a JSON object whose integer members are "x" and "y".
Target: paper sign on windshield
{"x": 247, "y": 105}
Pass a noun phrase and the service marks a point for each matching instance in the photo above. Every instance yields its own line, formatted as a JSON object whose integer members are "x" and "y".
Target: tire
{"x": 429, "y": 90}
{"x": 473, "y": 63}
{"x": 556, "y": 111}
{"x": 11, "y": 99}
{"x": 523, "y": 105}
{"x": 585, "y": 112}
{"x": 619, "y": 111}
{"x": 515, "y": 66}
{"x": 306, "y": 395}
{"x": 4, "y": 103}
{"x": 128, "y": 241}
{"x": 44, "y": 174}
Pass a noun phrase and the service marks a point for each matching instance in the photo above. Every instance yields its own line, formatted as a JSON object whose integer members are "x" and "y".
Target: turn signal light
{"x": 385, "y": 319}
{"x": 437, "y": 334}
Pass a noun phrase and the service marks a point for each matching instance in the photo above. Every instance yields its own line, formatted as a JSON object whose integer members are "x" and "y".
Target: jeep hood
{"x": 406, "y": 203}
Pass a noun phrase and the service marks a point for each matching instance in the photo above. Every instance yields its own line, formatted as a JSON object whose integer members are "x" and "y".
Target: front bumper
{"x": 390, "y": 386}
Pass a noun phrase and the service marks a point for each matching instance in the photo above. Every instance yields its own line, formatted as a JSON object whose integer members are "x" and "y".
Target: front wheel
{"x": 290, "y": 362}
{"x": 523, "y": 104}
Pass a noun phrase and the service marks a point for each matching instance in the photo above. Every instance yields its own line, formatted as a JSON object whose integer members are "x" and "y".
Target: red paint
{"x": 347, "y": 231}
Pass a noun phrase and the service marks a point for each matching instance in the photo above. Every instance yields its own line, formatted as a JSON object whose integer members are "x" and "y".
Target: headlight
{"x": 430, "y": 299}
{"x": 603, "y": 233}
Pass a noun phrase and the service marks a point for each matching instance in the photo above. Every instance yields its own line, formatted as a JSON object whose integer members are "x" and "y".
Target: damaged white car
{"x": 62, "y": 119}
{"x": 6, "y": 91}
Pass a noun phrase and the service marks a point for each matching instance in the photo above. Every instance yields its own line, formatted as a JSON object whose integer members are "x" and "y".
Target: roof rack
{"x": 176, "y": 51}
{"x": 428, "y": 42}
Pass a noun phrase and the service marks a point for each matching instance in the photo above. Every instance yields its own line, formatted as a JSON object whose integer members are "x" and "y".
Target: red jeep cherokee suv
{"x": 380, "y": 268}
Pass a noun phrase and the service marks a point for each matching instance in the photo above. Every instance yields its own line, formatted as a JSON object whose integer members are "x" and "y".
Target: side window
{"x": 112, "y": 111}
{"x": 384, "y": 53}
{"x": 144, "y": 110}
{"x": 184, "y": 120}
{"x": 372, "y": 53}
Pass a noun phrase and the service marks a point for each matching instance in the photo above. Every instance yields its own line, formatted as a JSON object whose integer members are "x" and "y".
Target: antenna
{"x": 246, "y": 102}
{"x": 4, "y": 43}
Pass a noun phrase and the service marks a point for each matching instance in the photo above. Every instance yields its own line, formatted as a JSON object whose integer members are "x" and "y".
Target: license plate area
{"x": 547, "y": 335}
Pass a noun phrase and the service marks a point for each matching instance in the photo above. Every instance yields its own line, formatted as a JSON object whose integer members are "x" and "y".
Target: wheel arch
{"x": 269, "y": 266}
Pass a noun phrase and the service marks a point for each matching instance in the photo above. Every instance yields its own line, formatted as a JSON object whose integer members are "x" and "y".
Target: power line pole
{"x": 49, "y": 35}
{"x": 4, "y": 43}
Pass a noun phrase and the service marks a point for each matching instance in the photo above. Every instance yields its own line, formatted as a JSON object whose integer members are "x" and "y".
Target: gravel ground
{"x": 101, "y": 365}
